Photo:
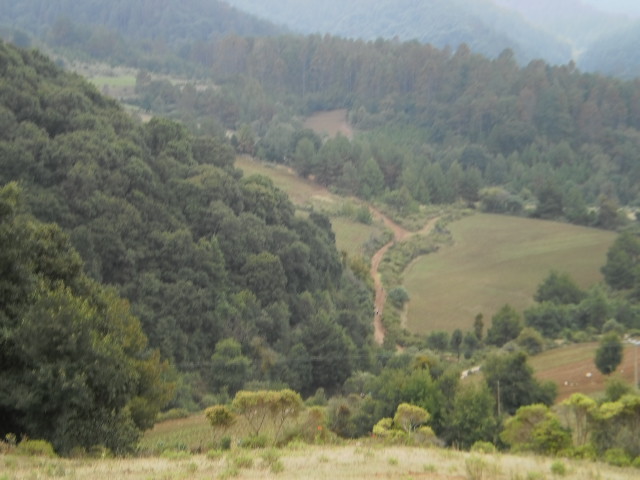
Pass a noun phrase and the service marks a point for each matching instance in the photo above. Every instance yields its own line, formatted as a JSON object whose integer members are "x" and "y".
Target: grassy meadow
{"x": 496, "y": 260}
{"x": 354, "y": 460}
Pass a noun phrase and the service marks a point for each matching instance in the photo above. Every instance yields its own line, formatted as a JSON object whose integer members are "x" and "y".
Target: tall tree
{"x": 609, "y": 353}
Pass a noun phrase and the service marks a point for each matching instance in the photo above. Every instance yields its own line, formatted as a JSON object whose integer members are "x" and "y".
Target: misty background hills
{"x": 555, "y": 31}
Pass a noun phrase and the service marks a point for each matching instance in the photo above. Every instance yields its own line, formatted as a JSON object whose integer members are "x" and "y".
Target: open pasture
{"x": 496, "y": 260}
{"x": 573, "y": 369}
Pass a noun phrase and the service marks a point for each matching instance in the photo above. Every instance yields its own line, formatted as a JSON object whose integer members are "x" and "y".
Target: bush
{"x": 584, "y": 452}
{"x": 35, "y": 448}
{"x": 271, "y": 460}
{"x": 175, "y": 454}
{"x": 476, "y": 468}
{"x": 225, "y": 443}
{"x": 214, "y": 454}
{"x": 399, "y": 296}
{"x": 255, "y": 441}
{"x": 483, "y": 447}
{"x": 173, "y": 414}
{"x": 617, "y": 457}
{"x": 558, "y": 468}
{"x": 242, "y": 461}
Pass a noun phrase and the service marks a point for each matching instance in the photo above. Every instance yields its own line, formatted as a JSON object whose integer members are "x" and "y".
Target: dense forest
{"x": 217, "y": 266}
{"x": 438, "y": 125}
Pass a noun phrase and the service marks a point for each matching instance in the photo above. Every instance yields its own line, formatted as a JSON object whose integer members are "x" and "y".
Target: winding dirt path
{"x": 399, "y": 234}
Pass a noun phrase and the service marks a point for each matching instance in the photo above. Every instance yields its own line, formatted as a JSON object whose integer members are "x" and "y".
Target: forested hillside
{"x": 152, "y": 34}
{"x": 213, "y": 263}
{"x": 435, "y": 126}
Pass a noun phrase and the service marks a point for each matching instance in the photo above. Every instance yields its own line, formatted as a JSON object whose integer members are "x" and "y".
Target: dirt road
{"x": 399, "y": 234}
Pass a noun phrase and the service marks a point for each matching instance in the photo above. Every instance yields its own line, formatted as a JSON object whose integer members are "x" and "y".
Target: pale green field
{"x": 351, "y": 236}
{"x": 303, "y": 193}
{"x": 497, "y": 260}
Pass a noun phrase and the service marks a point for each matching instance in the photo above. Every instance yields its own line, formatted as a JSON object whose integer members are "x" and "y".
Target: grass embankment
{"x": 355, "y": 460}
{"x": 496, "y": 260}
{"x": 351, "y": 236}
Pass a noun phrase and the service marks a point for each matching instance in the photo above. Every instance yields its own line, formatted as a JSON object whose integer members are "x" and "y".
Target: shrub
{"x": 242, "y": 461}
{"x": 399, "y": 296}
{"x": 584, "y": 452}
{"x": 214, "y": 454}
{"x": 35, "y": 448}
{"x": 483, "y": 447}
{"x": 558, "y": 468}
{"x": 476, "y": 468}
{"x": 173, "y": 414}
{"x": 617, "y": 457}
{"x": 255, "y": 441}
{"x": 225, "y": 443}
{"x": 271, "y": 460}
{"x": 175, "y": 454}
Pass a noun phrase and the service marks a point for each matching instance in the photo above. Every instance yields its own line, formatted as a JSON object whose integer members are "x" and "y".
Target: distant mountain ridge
{"x": 484, "y": 27}
{"x": 553, "y": 30}
{"x": 167, "y": 20}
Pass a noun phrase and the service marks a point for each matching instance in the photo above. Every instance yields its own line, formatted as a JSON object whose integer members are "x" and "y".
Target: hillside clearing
{"x": 497, "y": 260}
{"x": 573, "y": 369}
{"x": 330, "y": 123}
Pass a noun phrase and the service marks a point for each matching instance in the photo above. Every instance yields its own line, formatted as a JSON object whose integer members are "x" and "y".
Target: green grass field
{"x": 497, "y": 260}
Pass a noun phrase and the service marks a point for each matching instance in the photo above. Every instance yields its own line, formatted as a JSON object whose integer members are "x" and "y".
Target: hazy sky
{"x": 630, "y": 7}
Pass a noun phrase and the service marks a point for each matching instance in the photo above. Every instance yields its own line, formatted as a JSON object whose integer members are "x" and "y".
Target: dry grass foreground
{"x": 359, "y": 460}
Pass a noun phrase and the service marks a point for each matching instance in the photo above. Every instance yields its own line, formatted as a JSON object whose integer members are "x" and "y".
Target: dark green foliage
{"x": 609, "y": 353}
{"x": 622, "y": 270}
{"x": 535, "y": 428}
{"x": 559, "y": 288}
{"x": 201, "y": 253}
{"x": 399, "y": 296}
{"x": 511, "y": 376}
{"x": 438, "y": 340}
{"x": 505, "y": 326}
{"x": 229, "y": 368}
{"x": 75, "y": 368}
{"x": 471, "y": 418}
{"x": 550, "y": 319}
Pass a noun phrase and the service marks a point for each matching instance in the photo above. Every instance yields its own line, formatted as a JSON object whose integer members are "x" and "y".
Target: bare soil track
{"x": 399, "y": 234}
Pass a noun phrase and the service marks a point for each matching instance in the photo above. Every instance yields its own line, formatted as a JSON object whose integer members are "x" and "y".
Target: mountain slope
{"x": 202, "y": 253}
{"x": 616, "y": 54}
{"x": 172, "y": 21}
{"x": 481, "y": 25}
